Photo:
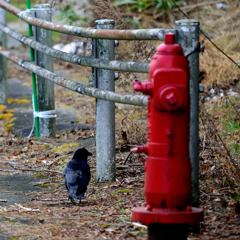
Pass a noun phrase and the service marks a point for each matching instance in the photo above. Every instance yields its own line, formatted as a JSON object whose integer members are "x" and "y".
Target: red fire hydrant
{"x": 168, "y": 168}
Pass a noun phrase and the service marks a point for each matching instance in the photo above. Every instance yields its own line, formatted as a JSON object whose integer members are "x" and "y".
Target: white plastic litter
{"x": 79, "y": 48}
{"x": 221, "y": 5}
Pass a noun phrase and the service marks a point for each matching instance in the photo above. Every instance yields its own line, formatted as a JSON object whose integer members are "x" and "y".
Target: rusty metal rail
{"x": 140, "y": 34}
{"x": 76, "y": 59}
{"x": 74, "y": 86}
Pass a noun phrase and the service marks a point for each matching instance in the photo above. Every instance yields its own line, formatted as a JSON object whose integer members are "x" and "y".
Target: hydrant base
{"x": 159, "y": 215}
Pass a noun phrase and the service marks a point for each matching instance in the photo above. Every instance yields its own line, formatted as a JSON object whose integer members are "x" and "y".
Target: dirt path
{"x": 67, "y": 116}
{"x": 106, "y": 210}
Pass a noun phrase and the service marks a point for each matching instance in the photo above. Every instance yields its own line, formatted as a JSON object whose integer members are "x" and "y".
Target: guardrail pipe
{"x": 3, "y": 61}
{"x": 138, "y": 100}
{"x": 188, "y": 38}
{"x": 137, "y": 34}
{"x": 46, "y": 100}
{"x": 105, "y": 111}
{"x": 76, "y": 59}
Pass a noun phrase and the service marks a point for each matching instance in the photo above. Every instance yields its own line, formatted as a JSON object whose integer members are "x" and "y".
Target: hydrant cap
{"x": 169, "y": 47}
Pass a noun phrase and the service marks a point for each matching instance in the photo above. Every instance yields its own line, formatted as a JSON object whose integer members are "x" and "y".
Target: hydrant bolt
{"x": 171, "y": 98}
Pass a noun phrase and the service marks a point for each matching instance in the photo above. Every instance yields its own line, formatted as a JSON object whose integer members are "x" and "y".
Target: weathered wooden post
{"x": 188, "y": 38}
{"x": 3, "y": 60}
{"x": 105, "y": 110}
{"x": 46, "y": 101}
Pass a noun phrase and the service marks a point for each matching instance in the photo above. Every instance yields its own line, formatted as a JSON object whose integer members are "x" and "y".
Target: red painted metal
{"x": 167, "y": 216}
{"x": 167, "y": 168}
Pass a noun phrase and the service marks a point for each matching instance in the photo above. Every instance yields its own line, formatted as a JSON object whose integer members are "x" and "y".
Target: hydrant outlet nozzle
{"x": 140, "y": 149}
{"x": 144, "y": 86}
{"x": 137, "y": 85}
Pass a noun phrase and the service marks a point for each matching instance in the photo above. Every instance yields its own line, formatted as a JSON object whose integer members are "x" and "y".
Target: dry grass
{"x": 221, "y": 25}
{"x": 220, "y": 71}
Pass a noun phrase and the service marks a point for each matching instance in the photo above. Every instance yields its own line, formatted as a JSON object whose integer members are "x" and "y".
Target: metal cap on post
{"x": 188, "y": 38}
{"x": 3, "y": 60}
{"x": 105, "y": 110}
{"x": 46, "y": 102}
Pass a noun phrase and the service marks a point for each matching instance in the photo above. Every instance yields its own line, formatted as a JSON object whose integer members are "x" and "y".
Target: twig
{"x": 34, "y": 170}
{"x": 209, "y": 197}
{"x": 4, "y": 162}
{"x": 226, "y": 188}
{"x": 129, "y": 165}
{"x": 6, "y": 170}
{"x": 127, "y": 157}
{"x": 59, "y": 158}
{"x": 49, "y": 199}
{"x": 40, "y": 183}
{"x": 203, "y": 143}
{"x": 27, "y": 209}
{"x": 208, "y": 38}
{"x": 124, "y": 199}
{"x": 224, "y": 145}
{"x": 139, "y": 225}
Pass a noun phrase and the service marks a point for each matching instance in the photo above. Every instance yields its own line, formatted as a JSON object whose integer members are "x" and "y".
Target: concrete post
{"x": 46, "y": 100}
{"x": 3, "y": 60}
{"x": 188, "y": 38}
{"x": 105, "y": 110}
{"x": 94, "y": 54}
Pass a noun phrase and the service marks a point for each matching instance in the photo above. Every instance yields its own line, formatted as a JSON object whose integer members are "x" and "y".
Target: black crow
{"x": 77, "y": 175}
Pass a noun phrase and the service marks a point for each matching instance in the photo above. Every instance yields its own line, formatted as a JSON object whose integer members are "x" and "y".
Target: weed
{"x": 69, "y": 15}
{"x": 234, "y": 149}
{"x": 232, "y": 126}
{"x": 133, "y": 23}
{"x": 165, "y": 5}
{"x": 142, "y": 5}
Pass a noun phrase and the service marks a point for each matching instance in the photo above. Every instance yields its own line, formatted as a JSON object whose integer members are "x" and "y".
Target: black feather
{"x": 77, "y": 174}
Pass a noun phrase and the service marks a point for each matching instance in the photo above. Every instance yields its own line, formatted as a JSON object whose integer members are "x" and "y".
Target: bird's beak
{"x": 89, "y": 154}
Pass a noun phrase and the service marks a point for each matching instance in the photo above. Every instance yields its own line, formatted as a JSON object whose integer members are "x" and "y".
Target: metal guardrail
{"x": 140, "y": 34}
{"x": 138, "y": 100}
{"x": 76, "y": 59}
{"x": 187, "y": 33}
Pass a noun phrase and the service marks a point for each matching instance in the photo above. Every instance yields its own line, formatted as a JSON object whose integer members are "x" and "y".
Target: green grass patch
{"x": 47, "y": 186}
{"x": 25, "y": 236}
{"x": 56, "y": 36}
{"x": 124, "y": 191}
{"x": 21, "y": 5}
{"x": 105, "y": 225}
{"x": 232, "y": 125}
{"x": 65, "y": 147}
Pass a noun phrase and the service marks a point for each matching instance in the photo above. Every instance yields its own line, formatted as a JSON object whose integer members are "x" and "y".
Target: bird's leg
{"x": 80, "y": 201}
{"x": 72, "y": 200}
